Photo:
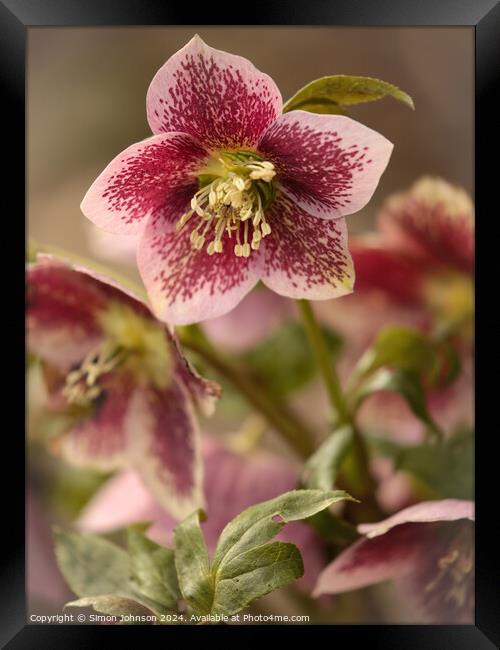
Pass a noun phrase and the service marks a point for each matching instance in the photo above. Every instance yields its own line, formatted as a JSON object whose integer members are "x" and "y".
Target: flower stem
{"x": 365, "y": 484}
{"x": 294, "y": 432}
{"x": 324, "y": 362}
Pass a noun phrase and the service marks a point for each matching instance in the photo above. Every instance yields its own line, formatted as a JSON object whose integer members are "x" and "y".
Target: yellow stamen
{"x": 231, "y": 202}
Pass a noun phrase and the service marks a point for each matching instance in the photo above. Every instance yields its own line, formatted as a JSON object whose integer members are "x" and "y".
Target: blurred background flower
{"x": 427, "y": 549}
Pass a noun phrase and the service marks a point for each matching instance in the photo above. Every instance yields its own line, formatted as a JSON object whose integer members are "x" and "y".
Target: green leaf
{"x": 193, "y": 564}
{"x": 153, "y": 569}
{"x": 245, "y": 566}
{"x": 114, "y": 606}
{"x": 94, "y": 566}
{"x": 254, "y": 574}
{"x": 448, "y": 365}
{"x": 398, "y": 347}
{"x": 403, "y": 348}
{"x": 91, "y": 565}
{"x": 333, "y": 528}
{"x": 296, "y": 365}
{"x": 260, "y": 523}
{"x": 333, "y": 94}
{"x": 447, "y": 468}
{"x": 321, "y": 469}
{"x": 408, "y": 385}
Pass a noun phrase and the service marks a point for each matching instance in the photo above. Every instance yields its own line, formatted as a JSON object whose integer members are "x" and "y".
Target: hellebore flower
{"x": 229, "y": 190}
{"x": 419, "y": 264}
{"x": 232, "y": 483}
{"x": 427, "y": 549}
{"x": 118, "y": 372}
{"x": 416, "y": 270}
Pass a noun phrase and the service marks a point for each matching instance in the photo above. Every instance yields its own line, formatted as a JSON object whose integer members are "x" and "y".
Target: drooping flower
{"x": 426, "y": 549}
{"x": 229, "y": 190}
{"x": 119, "y": 373}
{"x": 232, "y": 483}
{"x": 416, "y": 270}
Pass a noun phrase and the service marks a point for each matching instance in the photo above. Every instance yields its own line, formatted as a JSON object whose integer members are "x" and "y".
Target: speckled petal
{"x": 186, "y": 285}
{"x": 138, "y": 183}
{"x": 306, "y": 257}
{"x": 329, "y": 164}
{"x": 219, "y": 98}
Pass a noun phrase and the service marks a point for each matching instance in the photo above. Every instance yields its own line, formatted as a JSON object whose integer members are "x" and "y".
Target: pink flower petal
{"x": 162, "y": 442}
{"x": 426, "y": 511}
{"x": 122, "y": 501}
{"x": 61, "y": 313}
{"x": 433, "y": 219}
{"x": 369, "y": 561}
{"x": 306, "y": 257}
{"x": 111, "y": 247}
{"x": 259, "y": 314}
{"x": 98, "y": 441}
{"x": 219, "y": 98}
{"x": 384, "y": 555}
{"x": 186, "y": 285}
{"x": 329, "y": 164}
{"x": 138, "y": 183}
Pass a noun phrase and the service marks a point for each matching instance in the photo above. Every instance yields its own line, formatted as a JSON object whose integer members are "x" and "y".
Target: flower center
{"x": 232, "y": 202}
{"x": 82, "y": 385}
{"x": 132, "y": 343}
{"x": 454, "y": 572}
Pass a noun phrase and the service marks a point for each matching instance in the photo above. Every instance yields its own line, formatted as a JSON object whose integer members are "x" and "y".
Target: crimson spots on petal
{"x": 306, "y": 257}
{"x": 139, "y": 181}
{"x": 186, "y": 285}
{"x": 329, "y": 164}
{"x": 219, "y": 98}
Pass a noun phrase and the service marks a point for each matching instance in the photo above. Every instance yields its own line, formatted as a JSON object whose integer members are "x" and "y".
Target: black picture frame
{"x": 16, "y": 17}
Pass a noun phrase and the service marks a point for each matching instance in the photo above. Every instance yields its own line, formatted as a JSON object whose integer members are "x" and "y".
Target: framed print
{"x": 253, "y": 310}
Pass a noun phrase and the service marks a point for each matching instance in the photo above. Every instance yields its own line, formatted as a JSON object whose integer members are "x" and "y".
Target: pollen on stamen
{"x": 233, "y": 203}
{"x": 81, "y": 386}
